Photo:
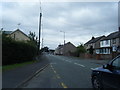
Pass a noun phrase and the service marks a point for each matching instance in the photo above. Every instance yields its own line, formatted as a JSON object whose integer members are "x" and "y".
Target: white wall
{"x": 19, "y": 36}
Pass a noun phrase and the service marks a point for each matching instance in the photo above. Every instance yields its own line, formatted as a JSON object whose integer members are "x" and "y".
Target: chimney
{"x": 93, "y": 38}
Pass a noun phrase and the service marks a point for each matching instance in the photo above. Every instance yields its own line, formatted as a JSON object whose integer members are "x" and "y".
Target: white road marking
{"x": 79, "y": 64}
{"x": 67, "y": 61}
{"x": 91, "y": 68}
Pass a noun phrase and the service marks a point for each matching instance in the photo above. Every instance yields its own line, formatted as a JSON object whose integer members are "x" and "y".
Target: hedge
{"x": 17, "y": 51}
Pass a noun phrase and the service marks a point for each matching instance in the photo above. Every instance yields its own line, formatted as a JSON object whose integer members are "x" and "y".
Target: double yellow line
{"x": 62, "y": 84}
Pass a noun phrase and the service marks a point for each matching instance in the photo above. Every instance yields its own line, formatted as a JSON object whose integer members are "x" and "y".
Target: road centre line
{"x": 91, "y": 68}
{"x": 79, "y": 64}
{"x": 55, "y": 71}
{"x": 58, "y": 76}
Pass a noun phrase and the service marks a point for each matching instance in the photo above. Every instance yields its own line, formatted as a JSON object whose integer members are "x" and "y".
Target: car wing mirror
{"x": 106, "y": 66}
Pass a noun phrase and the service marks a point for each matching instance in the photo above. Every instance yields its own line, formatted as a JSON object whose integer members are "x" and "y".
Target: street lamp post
{"x": 64, "y": 36}
{"x": 64, "y": 42}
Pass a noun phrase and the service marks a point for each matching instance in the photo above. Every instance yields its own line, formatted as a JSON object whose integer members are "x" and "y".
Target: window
{"x": 108, "y": 51}
{"x": 116, "y": 63}
{"x": 107, "y": 42}
{"x": 101, "y": 43}
{"x": 114, "y": 41}
{"x": 97, "y": 51}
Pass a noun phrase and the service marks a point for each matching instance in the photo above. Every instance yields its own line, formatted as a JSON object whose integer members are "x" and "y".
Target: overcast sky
{"x": 80, "y": 21}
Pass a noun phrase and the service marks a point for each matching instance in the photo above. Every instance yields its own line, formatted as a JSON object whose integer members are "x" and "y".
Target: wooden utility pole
{"x": 39, "y": 28}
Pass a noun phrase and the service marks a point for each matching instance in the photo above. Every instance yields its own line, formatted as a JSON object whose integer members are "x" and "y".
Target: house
{"x": 93, "y": 44}
{"x": 58, "y": 50}
{"x": 110, "y": 46}
{"x": 17, "y": 35}
{"x": 68, "y": 49}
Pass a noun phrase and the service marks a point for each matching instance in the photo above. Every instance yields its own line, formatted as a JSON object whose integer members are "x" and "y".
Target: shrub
{"x": 80, "y": 50}
{"x": 17, "y": 51}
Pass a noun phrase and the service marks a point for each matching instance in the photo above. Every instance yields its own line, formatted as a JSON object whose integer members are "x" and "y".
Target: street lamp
{"x": 64, "y": 43}
{"x": 64, "y": 36}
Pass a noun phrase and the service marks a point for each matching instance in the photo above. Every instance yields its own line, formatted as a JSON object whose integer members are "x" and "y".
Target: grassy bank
{"x": 9, "y": 67}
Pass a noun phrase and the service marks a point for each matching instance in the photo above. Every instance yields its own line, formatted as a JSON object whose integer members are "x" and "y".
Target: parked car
{"x": 107, "y": 76}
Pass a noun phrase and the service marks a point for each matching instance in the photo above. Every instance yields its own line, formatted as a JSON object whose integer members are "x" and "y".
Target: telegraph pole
{"x": 40, "y": 16}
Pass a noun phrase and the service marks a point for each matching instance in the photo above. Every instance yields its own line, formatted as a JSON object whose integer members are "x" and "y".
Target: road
{"x": 64, "y": 72}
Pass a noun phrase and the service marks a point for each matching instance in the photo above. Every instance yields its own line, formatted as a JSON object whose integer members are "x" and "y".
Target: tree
{"x": 80, "y": 49}
{"x": 91, "y": 50}
{"x": 33, "y": 37}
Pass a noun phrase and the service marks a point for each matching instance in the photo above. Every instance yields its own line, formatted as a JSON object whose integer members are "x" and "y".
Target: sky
{"x": 79, "y": 20}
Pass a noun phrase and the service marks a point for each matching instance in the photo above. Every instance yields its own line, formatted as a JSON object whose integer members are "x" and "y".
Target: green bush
{"x": 80, "y": 50}
{"x": 17, "y": 51}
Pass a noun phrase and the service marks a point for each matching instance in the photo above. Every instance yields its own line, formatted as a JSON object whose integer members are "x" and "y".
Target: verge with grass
{"x": 9, "y": 67}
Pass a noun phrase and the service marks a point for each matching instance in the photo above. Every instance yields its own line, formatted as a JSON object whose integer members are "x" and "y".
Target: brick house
{"x": 94, "y": 44}
{"x": 110, "y": 46}
{"x": 66, "y": 49}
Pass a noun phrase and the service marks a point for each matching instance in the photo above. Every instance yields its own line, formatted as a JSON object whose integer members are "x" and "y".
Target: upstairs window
{"x": 107, "y": 42}
{"x": 102, "y": 43}
{"x": 114, "y": 41}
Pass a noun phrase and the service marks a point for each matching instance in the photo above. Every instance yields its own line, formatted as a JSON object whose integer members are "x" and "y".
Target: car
{"x": 107, "y": 76}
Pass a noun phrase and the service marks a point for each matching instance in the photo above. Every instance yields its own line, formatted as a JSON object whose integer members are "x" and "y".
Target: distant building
{"x": 17, "y": 35}
{"x": 51, "y": 51}
{"x": 66, "y": 49}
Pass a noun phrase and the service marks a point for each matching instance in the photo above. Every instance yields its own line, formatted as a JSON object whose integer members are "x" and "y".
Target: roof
{"x": 19, "y": 31}
{"x": 69, "y": 43}
{"x": 61, "y": 46}
{"x": 113, "y": 35}
{"x": 93, "y": 40}
{"x": 11, "y": 32}
{"x": 7, "y": 32}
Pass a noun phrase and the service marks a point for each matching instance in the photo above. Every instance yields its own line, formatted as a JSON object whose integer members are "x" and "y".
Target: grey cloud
{"x": 78, "y": 19}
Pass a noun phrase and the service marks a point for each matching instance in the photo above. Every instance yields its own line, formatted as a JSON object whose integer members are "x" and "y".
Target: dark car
{"x": 107, "y": 76}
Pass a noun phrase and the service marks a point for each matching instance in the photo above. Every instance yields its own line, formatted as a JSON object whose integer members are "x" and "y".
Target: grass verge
{"x": 9, "y": 67}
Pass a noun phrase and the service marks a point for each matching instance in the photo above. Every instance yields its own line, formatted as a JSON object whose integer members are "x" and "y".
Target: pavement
{"x": 15, "y": 77}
